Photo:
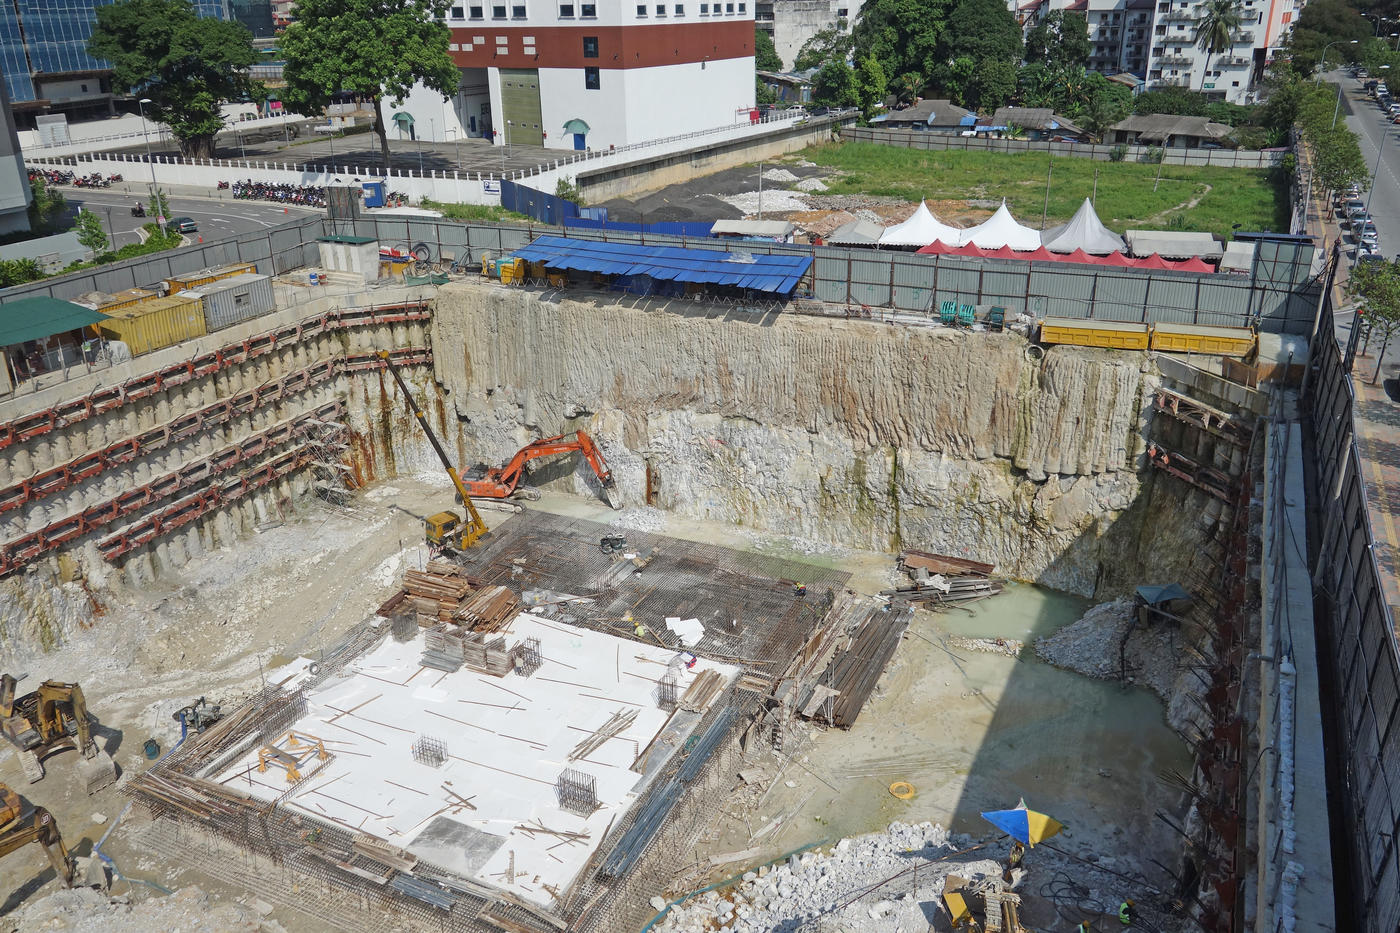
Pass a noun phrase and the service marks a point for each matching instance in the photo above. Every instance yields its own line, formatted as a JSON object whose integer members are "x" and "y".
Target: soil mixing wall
{"x": 841, "y": 433}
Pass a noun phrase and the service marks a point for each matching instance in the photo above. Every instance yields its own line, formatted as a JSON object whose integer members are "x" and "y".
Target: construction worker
{"x": 1083, "y": 927}
{"x": 1013, "y": 860}
{"x": 1127, "y": 912}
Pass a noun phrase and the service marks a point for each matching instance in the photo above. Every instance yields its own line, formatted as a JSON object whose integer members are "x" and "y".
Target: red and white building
{"x": 572, "y": 75}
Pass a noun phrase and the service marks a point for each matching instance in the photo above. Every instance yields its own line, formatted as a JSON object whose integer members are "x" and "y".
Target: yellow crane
{"x": 445, "y": 529}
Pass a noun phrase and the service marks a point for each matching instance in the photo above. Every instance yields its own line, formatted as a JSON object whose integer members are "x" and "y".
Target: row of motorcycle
{"x": 54, "y": 177}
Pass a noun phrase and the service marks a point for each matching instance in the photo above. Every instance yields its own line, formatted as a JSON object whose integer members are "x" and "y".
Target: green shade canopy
{"x": 576, "y": 126}
{"x": 36, "y": 318}
{"x": 404, "y": 117}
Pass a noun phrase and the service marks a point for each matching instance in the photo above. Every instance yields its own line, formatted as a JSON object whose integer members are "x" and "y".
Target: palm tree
{"x": 1215, "y": 23}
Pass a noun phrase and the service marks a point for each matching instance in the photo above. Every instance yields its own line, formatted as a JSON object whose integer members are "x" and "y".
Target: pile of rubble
{"x": 838, "y": 890}
{"x": 190, "y": 910}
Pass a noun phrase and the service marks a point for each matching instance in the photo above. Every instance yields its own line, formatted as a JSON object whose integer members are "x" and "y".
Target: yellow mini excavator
{"x": 50, "y": 720}
{"x": 19, "y": 828}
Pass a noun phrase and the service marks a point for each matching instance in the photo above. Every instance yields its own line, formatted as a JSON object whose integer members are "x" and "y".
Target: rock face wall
{"x": 845, "y": 433}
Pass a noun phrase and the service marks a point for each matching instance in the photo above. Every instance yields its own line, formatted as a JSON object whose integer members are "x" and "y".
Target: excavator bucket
{"x": 98, "y": 772}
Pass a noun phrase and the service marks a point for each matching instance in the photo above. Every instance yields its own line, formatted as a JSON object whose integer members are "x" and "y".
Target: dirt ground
{"x": 216, "y": 628}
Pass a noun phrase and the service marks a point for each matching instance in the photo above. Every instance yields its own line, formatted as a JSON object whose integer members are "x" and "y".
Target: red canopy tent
{"x": 939, "y": 248}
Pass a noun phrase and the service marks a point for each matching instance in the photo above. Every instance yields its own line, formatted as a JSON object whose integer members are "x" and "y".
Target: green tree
{"x": 1177, "y": 100}
{"x": 992, "y": 86}
{"x": 1337, "y": 159}
{"x": 982, "y": 30}
{"x": 19, "y": 271}
{"x": 763, "y": 95}
{"x": 835, "y": 85}
{"x": 90, "y": 232}
{"x": 186, "y": 64}
{"x": 1060, "y": 40}
{"x": 1320, "y": 23}
{"x": 47, "y": 207}
{"x": 1377, "y": 286}
{"x": 765, "y": 55}
{"x": 903, "y": 35}
{"x": 376, "y": 49}
{"x": 825, "y": 45}
{"x": 1216, "y": 23}
{"x": 871, "y": 85}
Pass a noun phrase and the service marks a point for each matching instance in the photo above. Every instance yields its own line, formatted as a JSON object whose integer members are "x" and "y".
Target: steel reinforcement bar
{"x": 111, "y": 398}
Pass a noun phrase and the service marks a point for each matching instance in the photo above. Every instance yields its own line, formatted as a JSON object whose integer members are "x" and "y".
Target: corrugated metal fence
{"x": 916, "y": 139}
{"x": 546, "y": 208}
{"x": 1280, "y": 296}
{"x": 1357, "y": 634}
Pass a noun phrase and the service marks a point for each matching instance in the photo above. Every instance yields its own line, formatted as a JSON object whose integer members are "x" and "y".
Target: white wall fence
{"x": 127, "y": 131}
{"x": 448, "y": 187}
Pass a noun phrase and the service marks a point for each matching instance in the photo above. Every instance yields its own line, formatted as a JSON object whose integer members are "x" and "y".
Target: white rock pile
{"x": 189, "y": 910}
{"x": 815, "y": 887}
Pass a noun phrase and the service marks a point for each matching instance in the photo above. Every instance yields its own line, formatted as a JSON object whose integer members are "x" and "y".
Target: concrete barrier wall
{"x": 916, "y": 139}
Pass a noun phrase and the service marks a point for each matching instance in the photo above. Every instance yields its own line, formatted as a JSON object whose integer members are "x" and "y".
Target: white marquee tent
{"x": 1084, "y": 231}
{"x": 1001, "y": 229}
{"x": 921, "y": 229}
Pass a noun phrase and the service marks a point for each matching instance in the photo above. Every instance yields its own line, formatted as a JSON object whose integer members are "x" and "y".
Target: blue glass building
{"x": 43, "y": 54}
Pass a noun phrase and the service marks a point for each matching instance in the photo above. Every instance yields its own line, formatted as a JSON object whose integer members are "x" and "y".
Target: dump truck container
{"x": 1203, "y": 338}
{"x": 233, "y": 301}
{"x": 155, "y": 324}
{"x": 1110, "y": 335}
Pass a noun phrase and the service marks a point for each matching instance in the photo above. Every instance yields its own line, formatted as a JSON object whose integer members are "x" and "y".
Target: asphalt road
{"x": 1376, "y": 133}
{"x": 217, "y": 219}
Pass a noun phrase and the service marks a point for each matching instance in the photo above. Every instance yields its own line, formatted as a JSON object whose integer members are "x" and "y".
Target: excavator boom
{"x": 476, "y": 527}
{"x": 501, "y": 483}
{"x": 18, "y": 830}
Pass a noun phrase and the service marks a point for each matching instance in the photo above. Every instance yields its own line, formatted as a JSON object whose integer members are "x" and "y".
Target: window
{"x": 678, "y": 9}
{"x": 729, "y": 8}
{"x": 588, "y": 10}
{"x": 84, "y": 88}
{"x": 1234, "y": 84}
{"x": 641, "y": 9}
{"x": 704, "y": 9}
{"x": 566, "y": 11}
{"x": 517, "y": 11}
{"x": 475, "y": 12}
{"x": 661, "y": 9}
{"x": 591, "y": 81}
{"x": 742, "y": 6}
{"x": 590, "y": 46}
{"x": 843, "y": 13}
{"x": 498, "y": 12}
{"x": 1287, "y": 18}
{"x": 458, "y": 12}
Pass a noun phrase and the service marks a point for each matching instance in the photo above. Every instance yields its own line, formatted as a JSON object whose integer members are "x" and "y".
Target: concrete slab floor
{"x": 969, "y": 732}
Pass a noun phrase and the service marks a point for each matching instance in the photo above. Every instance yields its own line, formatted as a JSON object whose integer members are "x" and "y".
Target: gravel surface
{"x": 85, "y": 910}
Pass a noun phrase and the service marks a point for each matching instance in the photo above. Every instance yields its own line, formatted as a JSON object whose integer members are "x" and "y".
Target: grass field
{"x": 1186, "y": 198}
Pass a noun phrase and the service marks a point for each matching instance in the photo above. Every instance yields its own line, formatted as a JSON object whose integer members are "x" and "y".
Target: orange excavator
{"x": 504, "y": 482}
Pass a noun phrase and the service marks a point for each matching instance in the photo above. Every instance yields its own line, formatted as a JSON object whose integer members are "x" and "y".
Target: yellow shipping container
{"x": 1203, "y": 338}
{"x": 1111, "y": 335}
{"x": 126, "y": 299}
{"x": 152, "y": 325}
{"x": 196, "y": 279}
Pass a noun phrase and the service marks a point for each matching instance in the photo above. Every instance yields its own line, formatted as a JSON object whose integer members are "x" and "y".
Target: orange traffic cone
{"x": 201, "y": 239}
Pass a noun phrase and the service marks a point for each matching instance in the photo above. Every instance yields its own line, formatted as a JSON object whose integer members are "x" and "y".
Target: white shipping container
{"x": 234, "y": 300}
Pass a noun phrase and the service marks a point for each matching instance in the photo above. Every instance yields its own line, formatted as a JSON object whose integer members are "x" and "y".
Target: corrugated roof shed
{"x": 775, "y": 274}
{"x": 36, "y": 318}
{"x": 856, "y": 233}
{"x": 765, "y": 228}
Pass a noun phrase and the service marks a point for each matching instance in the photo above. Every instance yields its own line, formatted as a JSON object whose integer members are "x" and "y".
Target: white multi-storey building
{"x": 574, "y": 74}
{"x": 790, "y": 23}
{"x": 1156, "y": 40}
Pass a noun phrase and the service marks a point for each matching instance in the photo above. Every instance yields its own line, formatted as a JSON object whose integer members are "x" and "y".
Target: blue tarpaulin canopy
{"x": 1156, "y": 595}
{"x": 761, "y": 272}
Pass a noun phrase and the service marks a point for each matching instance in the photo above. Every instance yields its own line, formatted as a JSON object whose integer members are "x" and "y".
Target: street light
{"x": 155, "y": 197}
{"x": 1378, "y": 17}
{"x": 1322, "y": 59}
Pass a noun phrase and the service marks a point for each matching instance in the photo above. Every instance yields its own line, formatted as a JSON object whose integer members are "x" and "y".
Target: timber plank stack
{"x": 488, "y": 609}
{"x": 442, "y": 592}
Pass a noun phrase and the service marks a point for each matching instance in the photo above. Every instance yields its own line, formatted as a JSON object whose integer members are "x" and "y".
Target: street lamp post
{"x": 1378, "y": 19}
{"x": 1322, "y": 59}
{"x": 155, "y": 197}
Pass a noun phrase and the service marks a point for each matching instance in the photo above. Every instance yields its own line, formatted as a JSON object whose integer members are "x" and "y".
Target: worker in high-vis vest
{"x": 1126, "y": 913}
{"x": 1083, "y": 927}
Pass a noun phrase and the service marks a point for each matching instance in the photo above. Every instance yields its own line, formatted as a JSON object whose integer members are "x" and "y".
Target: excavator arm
{"x": 476, "y": 527}
{"x": 39, "y": 826}
{"x": 501, "y": 483}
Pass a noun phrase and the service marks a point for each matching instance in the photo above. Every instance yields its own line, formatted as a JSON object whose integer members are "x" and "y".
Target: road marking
{"x": 1382, "y": 498}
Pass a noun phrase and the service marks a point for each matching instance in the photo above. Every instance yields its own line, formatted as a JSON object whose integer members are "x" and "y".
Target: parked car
{"x": 1352, "y": 208}
{"x": 183, "y": 224}
{"x": 1366, "y": 257}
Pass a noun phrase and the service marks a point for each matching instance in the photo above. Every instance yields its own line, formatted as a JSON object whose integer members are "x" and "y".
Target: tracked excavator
{"x": 50, "y": 720}
{"x": 504, "y": 482}
{"x": 445, "y": 530}
{"x": 18, "y": 829}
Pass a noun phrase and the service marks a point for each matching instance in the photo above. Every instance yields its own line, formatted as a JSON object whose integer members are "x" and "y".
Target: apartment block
{"x": 790, "y": 23}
